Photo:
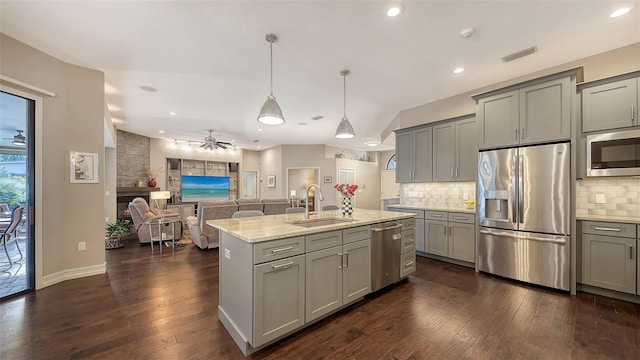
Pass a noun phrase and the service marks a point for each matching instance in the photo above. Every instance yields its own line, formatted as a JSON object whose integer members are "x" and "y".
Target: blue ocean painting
{"x": 204, "y": 188}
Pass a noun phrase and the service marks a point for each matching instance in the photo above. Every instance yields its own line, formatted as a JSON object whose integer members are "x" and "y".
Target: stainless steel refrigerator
{"x": 523, "y": 208}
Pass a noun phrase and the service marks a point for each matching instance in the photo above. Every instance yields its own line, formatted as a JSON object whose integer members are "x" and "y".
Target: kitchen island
{"x": 281, "y": 273}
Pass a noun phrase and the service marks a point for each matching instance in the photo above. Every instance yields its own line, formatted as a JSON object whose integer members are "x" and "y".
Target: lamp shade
{"x": 270, "y": 113}
{"x": 345, "y": 130}
{"x": 159, "y": 195}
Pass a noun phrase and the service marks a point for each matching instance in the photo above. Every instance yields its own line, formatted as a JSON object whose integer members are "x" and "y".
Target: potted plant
{"x": 114, "y": 233}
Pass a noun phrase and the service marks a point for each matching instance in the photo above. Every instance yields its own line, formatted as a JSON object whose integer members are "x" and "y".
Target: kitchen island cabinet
{"x": 279, "y": 273}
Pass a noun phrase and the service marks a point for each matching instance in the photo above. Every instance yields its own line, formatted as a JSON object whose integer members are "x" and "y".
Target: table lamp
{"x": 159, "y": 195}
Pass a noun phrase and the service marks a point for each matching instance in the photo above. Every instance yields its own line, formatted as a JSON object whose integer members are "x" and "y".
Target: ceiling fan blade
{"x": 203, "y": 145}
{"x": 221, "y": 145}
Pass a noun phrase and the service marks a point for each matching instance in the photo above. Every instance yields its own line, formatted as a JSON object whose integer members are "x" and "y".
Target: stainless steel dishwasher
{"x": 385, "y": 254}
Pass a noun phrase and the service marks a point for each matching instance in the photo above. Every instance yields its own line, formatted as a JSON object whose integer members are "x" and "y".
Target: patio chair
{"x": 5, "y": 238}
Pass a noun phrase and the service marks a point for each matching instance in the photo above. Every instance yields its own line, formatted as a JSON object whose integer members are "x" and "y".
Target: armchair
{"x": 140, "y": 213}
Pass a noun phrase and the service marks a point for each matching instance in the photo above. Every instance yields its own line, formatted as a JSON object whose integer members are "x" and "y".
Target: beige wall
{"x": 368, "y": 180}
{"x": 271, "y": 164}
{"x": 300, "y": 156}
{"x": 599, "y": 66}
{"x": 72, "y": 120}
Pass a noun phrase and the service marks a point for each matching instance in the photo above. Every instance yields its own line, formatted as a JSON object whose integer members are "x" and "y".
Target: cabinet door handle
{"x": 346, "y": 259}
{"x": 445, "y": 230}
{"x": 459, "y": 217}
{"x": 630, "y": 251}
{"x": 522, "y": 134}
{"x": 283, "y": 266}
{"x": 341, "y": 260}
{"x": 457, "y": 173}
{"x": 451, "y": 176}
{"x": 516, "y": 134}
{"x": 607, "y": 229}
{"x": 408, "y": 264}
{"x": 633, "y": 112}
{"x": 436, "y": 215}
{"x": 275, "y": 251}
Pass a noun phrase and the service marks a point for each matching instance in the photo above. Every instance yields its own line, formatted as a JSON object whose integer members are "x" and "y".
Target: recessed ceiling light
{"x": 372, "y": 143}
{"x": 302, "y": 123}
{"x": 259, "y": 129}
{"x": 161, "y": 131}
{"x": 172, "y": 113}
{"x": 458, "y": 70}
{"x": 148, "y": 88}
{"x": 466, "y": 33}
{"x": 619, "y": 12}
{"x": 258, "y": 146}
{"x": 317, "y": 117}
{"x": 395, "y": 10}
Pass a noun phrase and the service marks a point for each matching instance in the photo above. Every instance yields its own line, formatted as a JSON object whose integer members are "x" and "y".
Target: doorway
{"x": 298, "y": 180}
{"x": 17, "y": 265}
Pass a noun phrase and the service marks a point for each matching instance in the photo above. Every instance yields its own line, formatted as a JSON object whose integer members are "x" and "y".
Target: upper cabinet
{"x": 525, "y": 114}
{"x": 454, "y": 151}
{"x": 414, "y": 155}
{"x": 610, "y": 105}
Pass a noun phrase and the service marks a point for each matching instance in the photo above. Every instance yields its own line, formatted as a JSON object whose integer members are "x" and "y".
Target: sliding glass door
{"x": 17, "y": 122}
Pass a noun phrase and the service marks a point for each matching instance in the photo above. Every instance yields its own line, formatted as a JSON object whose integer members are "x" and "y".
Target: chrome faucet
{"x": 306, "y": 199}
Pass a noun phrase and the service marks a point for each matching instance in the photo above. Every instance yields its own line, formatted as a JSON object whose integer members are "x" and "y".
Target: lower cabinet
{"x": 450, "y": 235}
{"x": 336, "y": 277}
{"x": 609, "y": 256}
{"x": 279, "y": 292}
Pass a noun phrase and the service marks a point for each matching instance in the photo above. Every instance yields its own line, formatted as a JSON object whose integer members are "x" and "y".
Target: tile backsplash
{"x": 438, "y": 194}
{"x": 621, "y": 196}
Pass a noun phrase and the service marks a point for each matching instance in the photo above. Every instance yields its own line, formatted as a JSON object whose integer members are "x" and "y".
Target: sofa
{"x": 140, "y": 212}
{"x": 250, "y": 204}
{"x": 208, "y": 237}
{"x": 275, "y": 206}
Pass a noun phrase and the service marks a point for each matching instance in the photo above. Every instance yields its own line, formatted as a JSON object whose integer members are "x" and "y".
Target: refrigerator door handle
{"x": 520, "y": 188}
{"x": 512, "y": 195}
{"x": 516, "y": 235}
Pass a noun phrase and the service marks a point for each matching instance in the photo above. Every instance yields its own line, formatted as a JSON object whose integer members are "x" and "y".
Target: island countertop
{"x": 272, "y": 227}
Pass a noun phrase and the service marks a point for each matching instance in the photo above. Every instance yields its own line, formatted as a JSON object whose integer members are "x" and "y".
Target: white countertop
{"x": 433, "y": 208}
{"x": 611, "y": 218}
{"x": 271, "y": 227}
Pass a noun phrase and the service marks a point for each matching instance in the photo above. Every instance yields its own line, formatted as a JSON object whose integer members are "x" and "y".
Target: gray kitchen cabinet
{"x": 337, "y": 276}
{"x": 450, "y": 235}
{"x": 414, "y": 155}
{"x": 420, "y": 235}
{"x": 531, "y": 114}
{"x": 497, "y": 117}
{"x": 611, "y": 105}
{"x": 436, "y": 237}
{"x": 279, "y": 291}
{"x": 454, "y": 151}
{"x": 609, "y": 256}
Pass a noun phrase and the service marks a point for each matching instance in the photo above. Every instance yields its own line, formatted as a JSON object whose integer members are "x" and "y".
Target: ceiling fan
{"x": 18, "y": 139}
{"x": 210, "y": 143}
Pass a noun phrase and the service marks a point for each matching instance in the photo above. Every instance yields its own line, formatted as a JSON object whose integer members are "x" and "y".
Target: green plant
{"x": 118, "y": 229}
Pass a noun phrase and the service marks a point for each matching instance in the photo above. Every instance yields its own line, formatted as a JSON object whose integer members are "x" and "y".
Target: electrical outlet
{"x": 227, "y": 253}
{"x": 465, "y": 196}
{"x": 599, "y": 198}
{"x": 82, "y": 246}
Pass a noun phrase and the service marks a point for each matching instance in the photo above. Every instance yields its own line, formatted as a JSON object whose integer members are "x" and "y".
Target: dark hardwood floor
{"x": 164, "y": 307}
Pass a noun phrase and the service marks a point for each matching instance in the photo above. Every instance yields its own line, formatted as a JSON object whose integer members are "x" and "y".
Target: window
{"x": 391, "y": 163}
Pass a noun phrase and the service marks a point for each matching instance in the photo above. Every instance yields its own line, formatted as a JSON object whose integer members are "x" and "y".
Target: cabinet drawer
{"x": 408, "y": 241}
{"x": 407, "y": 264}
{"x": 323, "y": 240}
{"x": 356, "y": 234}
{"x": 435, "y": 215}
{"x": 278, "y": 249}
{"x": 462, "y": 218}
{"x": 408, "y": 224}
{"x": 609, "y": 229}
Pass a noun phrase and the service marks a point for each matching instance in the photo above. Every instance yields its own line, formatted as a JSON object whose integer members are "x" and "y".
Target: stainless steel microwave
{"x": 614, "y": 154}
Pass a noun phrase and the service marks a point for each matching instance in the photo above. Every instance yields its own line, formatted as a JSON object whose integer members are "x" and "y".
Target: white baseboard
{"x": 76, "y": 273}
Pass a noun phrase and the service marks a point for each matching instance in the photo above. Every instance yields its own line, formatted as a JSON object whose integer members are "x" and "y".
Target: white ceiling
{"x": 209, "y": 60}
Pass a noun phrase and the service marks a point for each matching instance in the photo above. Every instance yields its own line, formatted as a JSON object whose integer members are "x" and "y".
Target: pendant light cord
{"x": 344, "y": 95}
{"x": 271, "y": 69}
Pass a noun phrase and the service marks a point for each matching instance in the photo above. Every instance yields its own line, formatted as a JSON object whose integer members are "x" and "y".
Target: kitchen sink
{"x": 320, "y": 222}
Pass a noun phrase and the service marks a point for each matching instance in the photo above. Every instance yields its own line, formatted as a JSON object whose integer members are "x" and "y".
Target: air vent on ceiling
{"x": 318, "y": 117}
{"x": 255, "y": 141}
{"x": 519, "y": 54}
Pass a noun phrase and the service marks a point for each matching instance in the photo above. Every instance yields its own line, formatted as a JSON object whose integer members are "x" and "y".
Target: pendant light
{"x": 345, "y": 130}
{"x": 270, "y": 113}
{"x": 19, "y": 139}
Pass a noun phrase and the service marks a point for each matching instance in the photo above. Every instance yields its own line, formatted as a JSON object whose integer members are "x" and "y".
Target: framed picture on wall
{"x": 83, "y": 167}
{"x": 271, "y": 181}
{"x": 328, "y": 179}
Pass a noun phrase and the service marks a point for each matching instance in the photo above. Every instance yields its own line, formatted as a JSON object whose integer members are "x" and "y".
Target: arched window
{"x": 391, "y": 163}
